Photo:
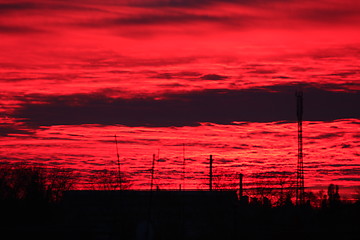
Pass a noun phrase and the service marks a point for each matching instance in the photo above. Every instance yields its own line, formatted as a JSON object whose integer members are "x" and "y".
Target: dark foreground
{"x": 174, "y": 215}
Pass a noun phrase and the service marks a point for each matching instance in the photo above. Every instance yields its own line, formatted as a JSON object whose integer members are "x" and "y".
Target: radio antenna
{"x": 118, "y": 162}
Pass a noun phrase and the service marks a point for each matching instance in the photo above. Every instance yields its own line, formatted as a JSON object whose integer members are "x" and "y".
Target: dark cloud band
{"x": 217, "y": 106}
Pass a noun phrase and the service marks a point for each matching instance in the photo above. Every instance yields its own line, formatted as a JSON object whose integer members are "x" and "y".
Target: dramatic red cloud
{"x": 331, "y": 151}
{"x": 71, "y": 72}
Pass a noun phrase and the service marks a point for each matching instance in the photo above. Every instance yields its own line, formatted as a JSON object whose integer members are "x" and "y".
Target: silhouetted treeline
{"x": 21, "y": 183}
{"x": 36, "y": 202}
{"x": 29, "y": 195}
{"x": 109, "y": 180}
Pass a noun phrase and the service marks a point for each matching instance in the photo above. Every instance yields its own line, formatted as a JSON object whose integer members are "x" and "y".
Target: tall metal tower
{"x": 300, "y": 164}
{"x": 211, "y": 173}
{"x": 184, "y": 170}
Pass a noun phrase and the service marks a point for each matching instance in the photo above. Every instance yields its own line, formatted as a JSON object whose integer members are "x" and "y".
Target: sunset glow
{"x": 182, "y": 79}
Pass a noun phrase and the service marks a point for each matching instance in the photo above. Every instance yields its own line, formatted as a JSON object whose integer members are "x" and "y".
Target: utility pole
{"x": 241, "y": 185}
{"x": 300, "y": 164}
{"x": 118, "y": 162}
{"x": 152, "y": 173}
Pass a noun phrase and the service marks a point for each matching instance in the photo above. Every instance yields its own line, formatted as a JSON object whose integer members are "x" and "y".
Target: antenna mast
{"x": 241, "y": 190}
{"x": 183, "y": 175}
{"x": 118, "y": 161}
{"x": 211, "y": 173}
{"x": 300, "y": 165}
{"x": 152, "y": 173}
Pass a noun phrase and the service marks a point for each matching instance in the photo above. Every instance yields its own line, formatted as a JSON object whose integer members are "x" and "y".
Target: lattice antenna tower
{"x": 300, "y": 164}
{"x": 183, "y": 170}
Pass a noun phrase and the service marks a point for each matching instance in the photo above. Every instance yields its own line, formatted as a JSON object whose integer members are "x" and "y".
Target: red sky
{"x": 217, "y": 76}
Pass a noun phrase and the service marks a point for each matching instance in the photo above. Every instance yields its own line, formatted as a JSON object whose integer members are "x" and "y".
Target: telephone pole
{"x": 118, "y": 162}
{"x": 300, "y": 164}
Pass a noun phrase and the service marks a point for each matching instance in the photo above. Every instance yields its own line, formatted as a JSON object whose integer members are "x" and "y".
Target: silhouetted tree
{"x": 22, "y": 183}
{"x": 222, "y": 181}
{"x": 316, "y": 199}
{"x": 263, "y": 186}
{"x": 109, "y": 180}
{"x": 357, "y": 194}
{"x": 225, "y": 181}
{"x": 59, "y": 180}
{"x": 311, "y": 198}
{"x": 284, "y": 189}
{"x": 34, "y": 184}
{"x": 333, "y": 195}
